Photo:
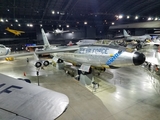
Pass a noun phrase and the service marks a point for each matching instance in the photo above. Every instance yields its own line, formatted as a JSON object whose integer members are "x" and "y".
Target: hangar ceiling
{"x": 74, "y": 12}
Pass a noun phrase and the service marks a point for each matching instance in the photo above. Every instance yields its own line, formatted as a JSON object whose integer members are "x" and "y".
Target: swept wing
{"x": 23, "y": 101}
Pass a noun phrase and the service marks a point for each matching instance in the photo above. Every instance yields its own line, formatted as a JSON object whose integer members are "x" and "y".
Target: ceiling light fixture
{"x": 53, "y": 12}
{"x": 120, "y": 16}
{"x": 85, "y": 23}
{"x": 156, "y": 18}
{"x": 67, "y": 26}
{"x": 136, "y": 17}
{"x": 2, "y": 20}
{"x": 149, "y": 18}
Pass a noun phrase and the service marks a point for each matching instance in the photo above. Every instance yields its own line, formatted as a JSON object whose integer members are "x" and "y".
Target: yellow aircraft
{"x": 16, "y": 32}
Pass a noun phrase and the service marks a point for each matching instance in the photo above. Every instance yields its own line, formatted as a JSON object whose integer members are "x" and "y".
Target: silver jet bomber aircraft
{"x": 98, "y": 56}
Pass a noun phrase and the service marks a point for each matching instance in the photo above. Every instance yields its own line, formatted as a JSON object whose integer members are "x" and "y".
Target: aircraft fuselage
{"x": 4, "y": 50}
{"x": 139, "y": 38}
{"x": 102, "y": 56}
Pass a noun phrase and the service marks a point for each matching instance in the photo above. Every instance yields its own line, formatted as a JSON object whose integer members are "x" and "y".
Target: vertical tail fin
{"x": 45, "y": 40}
{"x": 125, "y": 33}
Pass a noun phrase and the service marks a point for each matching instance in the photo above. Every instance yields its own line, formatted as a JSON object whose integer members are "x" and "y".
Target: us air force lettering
{"x": 93, "y": 50}
{"x": 8, "y": 89}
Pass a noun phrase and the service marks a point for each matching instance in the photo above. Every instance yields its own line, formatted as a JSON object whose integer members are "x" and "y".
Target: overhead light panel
{"x": 19, "y": 25}
{"x": 156, "y": 18}
{"x": 112, "y": 23}
{"x": 16, "y": 20}
{"x": 128, "y": 16}
{"x": 58, "y": 12}
{"x": 62, "y": 13}
{"x": 85, "y": 23}
{"x": 67, "y": 26}
{"x": 41, "y": 25}
{"x": 136, "y": 17}
{"x": 149, "y": 18}
{"x": 6, "y": 20}
{"x": 120, "y": 16}
{"x": 2, "y": 20}
{"x": 53, "y": 12}
{"x": 31, "y": 25}
{"x": 11, "y": 24}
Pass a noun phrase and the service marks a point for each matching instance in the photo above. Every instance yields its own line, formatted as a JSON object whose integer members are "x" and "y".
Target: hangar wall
{"x": 149, "y": 24}
{"x": 140, "y": 28}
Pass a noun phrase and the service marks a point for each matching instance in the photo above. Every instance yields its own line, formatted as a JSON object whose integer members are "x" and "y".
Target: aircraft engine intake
{"x": 138, "y": 58}
{"x": 45, "y": 63}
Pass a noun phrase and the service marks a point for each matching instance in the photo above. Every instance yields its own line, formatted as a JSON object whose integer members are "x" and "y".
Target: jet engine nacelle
{"x": 39, "y": 64}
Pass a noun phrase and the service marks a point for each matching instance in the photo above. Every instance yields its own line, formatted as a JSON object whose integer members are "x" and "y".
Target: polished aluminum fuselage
{"x": 98, "y": 56}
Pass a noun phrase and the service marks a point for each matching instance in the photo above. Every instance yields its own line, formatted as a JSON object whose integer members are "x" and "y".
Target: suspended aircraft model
{"x": 16, "y": 32}
{"x": 24, "y": 101}
{"x": 58, "y": 31}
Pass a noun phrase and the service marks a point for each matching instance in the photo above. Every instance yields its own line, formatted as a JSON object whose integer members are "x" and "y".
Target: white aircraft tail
{"x": 45, "y": 40}
{"x": 125, "y": 33}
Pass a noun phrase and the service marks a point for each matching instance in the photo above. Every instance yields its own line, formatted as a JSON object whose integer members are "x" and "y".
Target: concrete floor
{"x": 124, "y": 94}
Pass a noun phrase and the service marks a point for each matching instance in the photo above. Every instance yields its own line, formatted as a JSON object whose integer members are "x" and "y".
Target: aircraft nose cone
{"x": 138, "y": 58}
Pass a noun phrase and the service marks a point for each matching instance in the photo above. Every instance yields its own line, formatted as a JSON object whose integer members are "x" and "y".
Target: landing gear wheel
{"x": 59, "y": 61}
{"x": 139, "y": 46}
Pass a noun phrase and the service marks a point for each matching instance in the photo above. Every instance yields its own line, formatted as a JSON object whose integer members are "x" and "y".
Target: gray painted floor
{"x": 124, "y": 94}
